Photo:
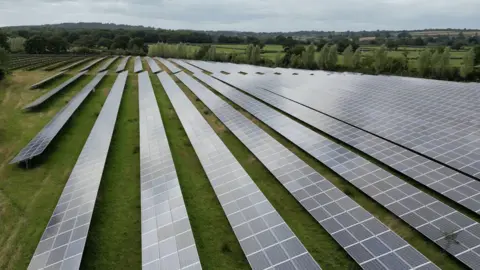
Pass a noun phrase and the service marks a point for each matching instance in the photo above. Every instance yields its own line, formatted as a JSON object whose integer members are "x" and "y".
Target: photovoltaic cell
{"x": 153, "y": 65}
{"x": 63, "y": 241}
{"x": 265, "y": 238}
{"x": 76, "y": 64}
{"x": 453, "y": 185}
{"x": 346, "y": 221}
{"x": 54, "y": 91}
{"x": 38, "y": 144}
{"x": 169, "y": 65}
{"x": 93, "y": 63}
{"x": 108, "y": 63}
{"x": 400, "y": 111}
{"x": 440, "y": 223}
{"x": 186, "y": 66}
{"x": 167, "y": 239}
{"x": 42, "y": 82}
{"x": 138, "y": 65}
{"x": 123, "y": 64}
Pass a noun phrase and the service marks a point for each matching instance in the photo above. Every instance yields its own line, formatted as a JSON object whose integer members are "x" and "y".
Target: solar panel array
{"x": 38, "y": 144}
{"x": 123, "y": 64}
{"x": 451, "y": 230}
{"x": 370, "y": 243}
{"x": 93, "y": 63}
{"x": 265, "y": 238}
{"x": 394, "y": 109}
{"x": 169, "y": 65}
{"x": 138, "y": 65}
{"x": 153, "y": 65}
{"x": 44, "y": 81}
{"x": 108, "y": 63}
{"x": 451, "y": 184}
{"x": 167, "y": 238}
{"x": 76, "y": 64}
{"x": 54, "y": 91}
{"x": 186, "y": 66}
{"x": 62, "y": 243}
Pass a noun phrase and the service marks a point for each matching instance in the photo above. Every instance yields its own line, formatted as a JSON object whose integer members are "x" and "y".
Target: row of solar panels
{"x": 435, "y": 119}
{"x": 429, "y": 216}
{"x": 369, "y": 242}
{"x": 37, "y": 145}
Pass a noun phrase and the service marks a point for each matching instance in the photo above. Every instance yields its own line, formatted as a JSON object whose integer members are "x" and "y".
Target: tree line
{"x": 431, "y": 63}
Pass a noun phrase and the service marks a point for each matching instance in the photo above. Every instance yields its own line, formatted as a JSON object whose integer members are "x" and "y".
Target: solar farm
{"x": 149, "y": 163}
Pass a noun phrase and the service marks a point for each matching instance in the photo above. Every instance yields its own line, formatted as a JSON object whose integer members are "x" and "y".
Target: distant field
{"x": 443, "y": 33}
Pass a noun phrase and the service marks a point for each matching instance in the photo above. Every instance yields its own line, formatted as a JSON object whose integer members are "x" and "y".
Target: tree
{"x": 4, "y": 62}
{"x": 212, "y": 53}
{"x": 477, "y": 54}
{"x": 445, "y": 63}
{"x": 468, "y": 62}
{"x": 104, "y": 42}
{"x": 120, "y": 42}
{"x": 138, "y": 42}
{"x": 357, "y": 59}
{"x": 72, "y": 37}
{"x": 56, "y": 44}
{"x": 278, "y": 59}
{"x": 17, "y": 44}
{"x": 423, "y": 63}
{"x": 381, "y": 59}
{"x": 248, "y": 52}
{"x": 255, "y": 57}
{"x": 332, "y": 57}
{"x": 36, "y": 44}
{"x": 322, "y": 58}
{"x": 308, "y": 57}
{"x": 437, "y": 63}
{"x": 348, "y": 57}
{"x": 419, "y": 42}
{"x": 458, "y": 45}
{"x": 4, "y": 41}
{"x": 392, "y": 44}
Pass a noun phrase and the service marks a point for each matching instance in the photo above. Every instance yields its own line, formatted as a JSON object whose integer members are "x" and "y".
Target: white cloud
{"x": 249, "y": 15}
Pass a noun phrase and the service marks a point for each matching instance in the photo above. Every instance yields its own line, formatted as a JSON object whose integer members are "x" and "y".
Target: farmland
{"x": 29, "y": 194}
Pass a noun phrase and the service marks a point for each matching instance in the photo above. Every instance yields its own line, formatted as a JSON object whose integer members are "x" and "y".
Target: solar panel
{"x": 54, "y": 91}
{"x": 174, "y": 69}
{"x": 265, "y": 238}
{"x": 399, "y": 111}
{"x": 44, "y": 81}
{"x": 456, "y": 186}
{"x": 108, "y": 63}
{"x": 93, "y": 63}
{"x": 63, "y": 241}
{"x": 153, "y": 65}
{"x": 75, "y": 64}
{"x": 336, "y": 212}
{"x": 186, "y": 66}
{"x": 167, "y": 239}
{"x": 138, "y": 65}
{"x": 123, "y": 64}
{"x": 451, "y": 230}
{"x": 41, "y": 141}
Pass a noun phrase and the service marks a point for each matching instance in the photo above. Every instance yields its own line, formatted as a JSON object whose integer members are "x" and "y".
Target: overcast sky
{"x": 249, "y": 15}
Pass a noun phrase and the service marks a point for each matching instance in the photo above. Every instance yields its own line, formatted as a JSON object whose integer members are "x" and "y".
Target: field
{"x": 28, "y": 196}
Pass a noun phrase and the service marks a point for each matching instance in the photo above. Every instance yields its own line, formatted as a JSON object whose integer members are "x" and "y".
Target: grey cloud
{"x": 249, "y": 15}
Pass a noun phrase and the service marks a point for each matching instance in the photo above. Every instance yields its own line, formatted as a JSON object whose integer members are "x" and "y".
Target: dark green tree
{"x": 36, "y": 44}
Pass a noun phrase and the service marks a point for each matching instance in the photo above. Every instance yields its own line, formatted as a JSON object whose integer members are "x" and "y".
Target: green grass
{"x": 114, "y": 240}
